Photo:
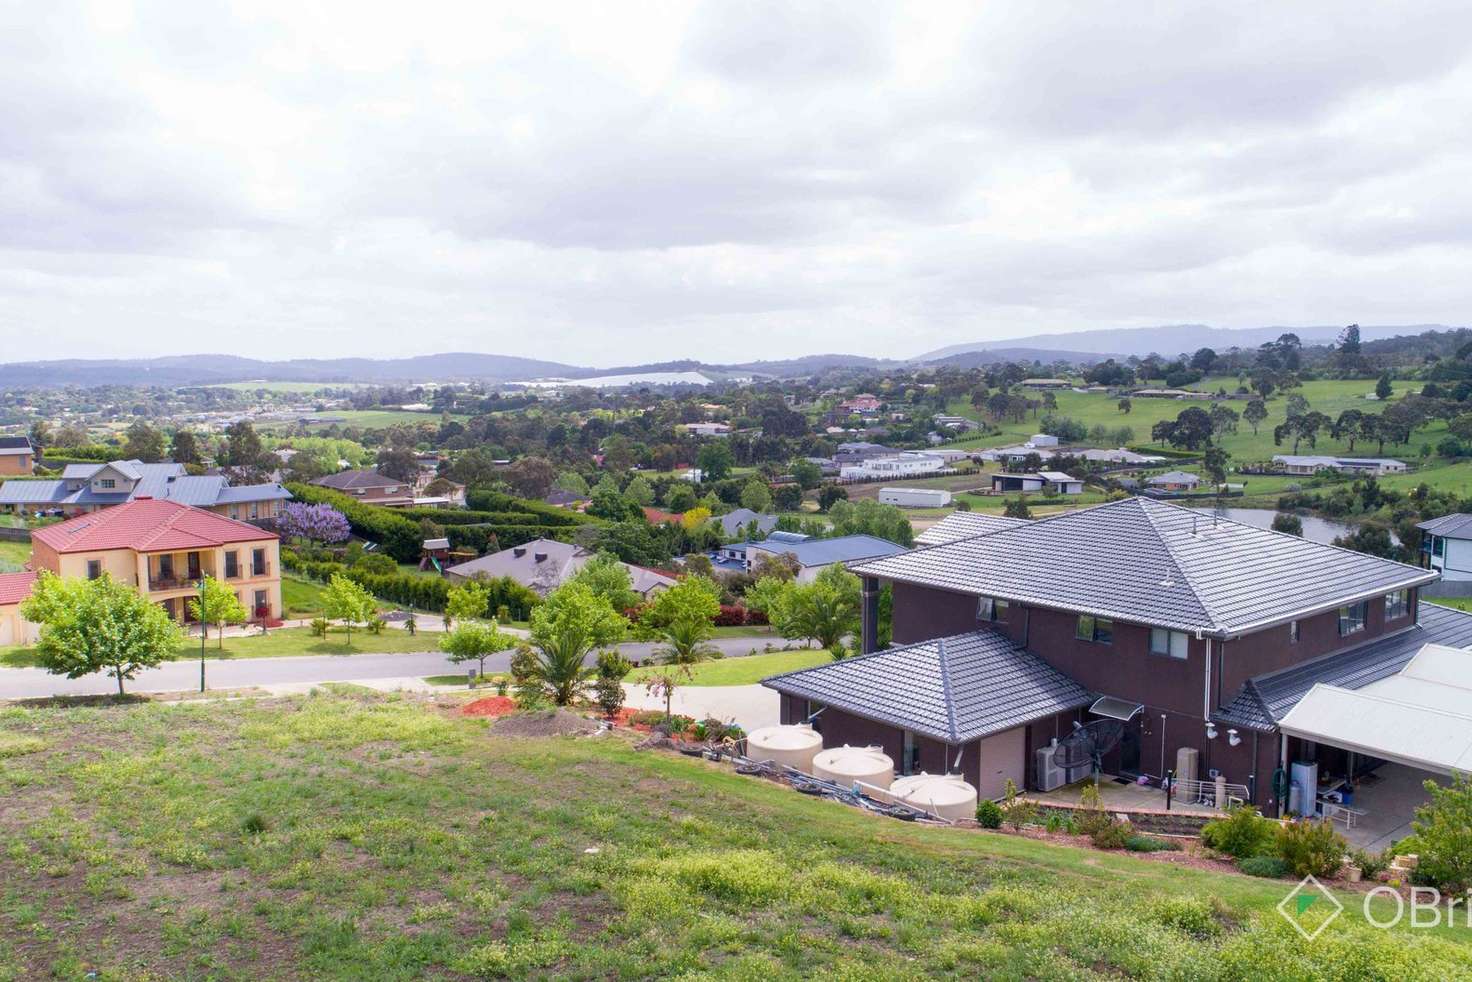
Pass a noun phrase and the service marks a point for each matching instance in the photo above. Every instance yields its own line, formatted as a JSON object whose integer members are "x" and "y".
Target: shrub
{"x": 1150, "y": 843}
{"x": 376, "y": 625}
{"x": 731, "y": 615}
{"x": 1112, "y": 835}
{"x": 254, "y": 824}
{"x": 1241, "y": 834}
{"x": 647, "y": 717}
{"x": 1371, "y": 864}
{"x": 1444, "y": 835}
{"x": 318, "y": 627}
{"x": 1270, "y": 867}
{"x": 1196, "y": 916}
{"x": 1017, "y": 811}
{"x": 988, "y": 814}
{"x": 1313, "y": 847}
{"x": 1090, "y": 818}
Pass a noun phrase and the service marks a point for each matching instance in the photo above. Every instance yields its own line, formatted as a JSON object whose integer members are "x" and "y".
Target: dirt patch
{"x": 543, "y": 723}
{"x": 491, "y": 706}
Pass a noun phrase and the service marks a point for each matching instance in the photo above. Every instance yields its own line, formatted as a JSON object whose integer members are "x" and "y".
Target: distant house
{"x": 17, "y": 456}
{"x": 1170, "y": 394}
{"x": 1174, "y": 481}
{"x": 1310, "y": 464}
{"x": 906, "y": 464}
{"x": 544, "y": 565}
{"x": 1446, "y": 545}
{"x": 371, "y": 487}
{"x": 1119, "y": 456}
{"x": 440, "y": 492}
{"x": 864, "y": 402}
{"x": 959, "y": 423}
{"x": 570, "y": 500}
{"x": 1045, "y": 383}
{"x": 88, "y": 487}
{"x": 815, "y": 555}
{"x": 736, "y": 522}
{"x": 1045, "y": 482}
{"x": 1043, "y": 440}
{"x": 708, "y": 429}
{"x": 859, "y": 450}
{"x": 965, "y": 525}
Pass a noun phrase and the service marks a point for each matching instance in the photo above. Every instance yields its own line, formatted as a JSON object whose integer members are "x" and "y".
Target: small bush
{"x": 1311, "y": 847}
{"x": 1150, "y": 843}
{"x": 1270, "y": 867}
{"x": 647, "y": 717}
{"x": 1090, "y": 818}
{"x": 1241, "y": 834}
{"x": 319, "y": 627}
{"x": 1197, "y": 916}
{"x": 376, "y": 625}
{"x": 1112, "y": 835}
{"x": 1371, "y": 864}
{"x": 254, "y": 824}
{"x": 1017, "y": 811}
{"x": 988, "y": 814}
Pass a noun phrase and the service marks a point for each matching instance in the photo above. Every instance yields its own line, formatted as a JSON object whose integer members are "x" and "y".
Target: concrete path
{"x": 749, "y": 705}
{"x": 231, "y": 673}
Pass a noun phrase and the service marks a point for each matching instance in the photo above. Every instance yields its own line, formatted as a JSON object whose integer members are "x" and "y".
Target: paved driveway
{"x": 227, "y": 673}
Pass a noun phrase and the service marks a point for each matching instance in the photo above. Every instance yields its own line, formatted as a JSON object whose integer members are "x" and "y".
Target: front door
{"x": 1129, "y": 750}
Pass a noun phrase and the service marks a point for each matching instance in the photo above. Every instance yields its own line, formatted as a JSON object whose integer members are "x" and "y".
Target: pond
{"x": 1314, "y": 529}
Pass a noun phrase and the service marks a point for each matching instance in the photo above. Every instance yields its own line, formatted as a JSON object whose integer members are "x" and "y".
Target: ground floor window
{"x": 910, "y": 754}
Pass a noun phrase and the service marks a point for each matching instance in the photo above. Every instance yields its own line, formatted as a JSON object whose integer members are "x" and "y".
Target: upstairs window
{"x": 991, "y": 609}
{"x": 1096, "y": 629}
{"x": 1397, "y": 604}
{"x": 107, "y": 482}
{"x": 1438, "y": 545}
{"x": 1172, "y": 644}
{"x": 1352, "y": 618}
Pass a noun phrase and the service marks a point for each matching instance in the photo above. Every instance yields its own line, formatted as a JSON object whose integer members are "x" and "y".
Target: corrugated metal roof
{"x": 843, "y": 549}
{"x": 965, "y": 525}
{"x": 1149, "y": 562}
{"x": 31, "y": 492}
{"x": 1456, "y": 526}
{"x": 954, "y": 689}
{"x": 1266, "y": 699}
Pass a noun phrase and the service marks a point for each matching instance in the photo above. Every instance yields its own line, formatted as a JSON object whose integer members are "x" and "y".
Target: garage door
{"x": 1002, "y": 757}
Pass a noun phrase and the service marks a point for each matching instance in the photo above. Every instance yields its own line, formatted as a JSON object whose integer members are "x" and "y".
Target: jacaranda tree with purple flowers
{"x": 318, "y": 523}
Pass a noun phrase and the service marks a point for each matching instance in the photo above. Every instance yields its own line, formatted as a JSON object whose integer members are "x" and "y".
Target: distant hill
{"x": 207, "y": 369}
{"x": 1172, "y": 339}
{"x": 993, "y": 356}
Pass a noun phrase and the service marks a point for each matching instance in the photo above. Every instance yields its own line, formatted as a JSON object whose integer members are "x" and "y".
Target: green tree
{"x": 1017, "y": 508}
{"x": 571, "y": 622}
{"x": 217, "y": 604}
{"x": 344, "y": 600}
{"x": 715, "y": 460}
{"x": 1214, "y": 464}
{"x": 695, "y": 598}
{"x": 680, "y": 498}
{"x": 608, "y": 689}
{"x": 607, "y": 577}
{"x": 640, "y": 491}
{"x": 1383, "y": 388}
{"x": 756, "y": 496}
{"x": 1288, "y": 523}
{"x": 143, "y": 442}
{"x": 475, "y": 641}
{"x": 807, "y": 474}
{"x": 571, "y": 481}
{"x": 242, "y": 446}
{"x": 468, "y": 601}
{"x": 1255, "y": 412}
{"x": 1443, "y": 829}
{"x": 1125, "y": 405}
{"x": 98, "y": 625}
{"x": 825, "y": 610}
{"x": 185, "y": 448}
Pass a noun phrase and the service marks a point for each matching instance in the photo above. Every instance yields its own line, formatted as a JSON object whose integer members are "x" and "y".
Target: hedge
{"x": 423, "y": 592}
{"x": 484, "y": 499}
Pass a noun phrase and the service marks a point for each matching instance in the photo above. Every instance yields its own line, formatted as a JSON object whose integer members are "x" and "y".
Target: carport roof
{"x": 1388, "y": 721}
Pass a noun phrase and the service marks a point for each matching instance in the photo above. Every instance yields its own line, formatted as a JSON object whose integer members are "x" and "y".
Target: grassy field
{"x": 745, "y": 670}
{"x": 354, "y": 836}
{"x": 283, "y": 642}
{"x": 13, "y": 555}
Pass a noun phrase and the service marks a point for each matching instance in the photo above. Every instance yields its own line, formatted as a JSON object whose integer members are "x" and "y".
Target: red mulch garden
{"x": 490, "y": 706}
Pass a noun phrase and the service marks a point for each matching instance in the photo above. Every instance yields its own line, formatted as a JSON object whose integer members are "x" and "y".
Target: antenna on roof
{"x": 1193, "y": 523}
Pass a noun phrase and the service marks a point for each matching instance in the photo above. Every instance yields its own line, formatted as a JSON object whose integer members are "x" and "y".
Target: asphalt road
{"x": 227, "y": 673}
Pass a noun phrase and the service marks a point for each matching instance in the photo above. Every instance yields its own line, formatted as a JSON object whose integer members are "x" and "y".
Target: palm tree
{"x": 685, "y": 642}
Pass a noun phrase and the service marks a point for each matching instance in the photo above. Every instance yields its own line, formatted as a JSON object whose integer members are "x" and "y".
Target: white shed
{"x": 915, "y": 497}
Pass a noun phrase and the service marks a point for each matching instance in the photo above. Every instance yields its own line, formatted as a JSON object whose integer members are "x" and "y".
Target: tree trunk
{"x": 120, "y": 679}
{"x": 220, "y": 635}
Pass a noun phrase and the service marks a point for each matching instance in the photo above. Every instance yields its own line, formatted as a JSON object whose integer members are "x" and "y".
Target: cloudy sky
{"x": 616, "y": 182}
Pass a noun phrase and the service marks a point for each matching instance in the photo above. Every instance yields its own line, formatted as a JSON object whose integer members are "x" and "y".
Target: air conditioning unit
{"x": 1048, "y": 776}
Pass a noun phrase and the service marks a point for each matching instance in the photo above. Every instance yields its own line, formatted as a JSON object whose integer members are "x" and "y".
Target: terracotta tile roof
{"x": 147, "y": 525}
{"x": 15, "y": 587}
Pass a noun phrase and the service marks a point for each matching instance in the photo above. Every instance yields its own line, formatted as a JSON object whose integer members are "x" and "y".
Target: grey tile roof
{"x": 821, "y": 552}
{"x": 164, "y": 481}
{"x": 735, "y": 522}
{"x": 965, "y": 525}
{"x": 1266, "y": 699}
{"x": 1153, "y": 563}
{"x": 353, "y": 479}
{"x": 954, "y": 689}
{"x": 1456, "y": 526}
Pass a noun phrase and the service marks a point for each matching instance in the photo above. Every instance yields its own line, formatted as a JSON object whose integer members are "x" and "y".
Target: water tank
{"x": 792, "y": 745}
{"x": 946, "y": 795}
{"x": 845, "y": 765}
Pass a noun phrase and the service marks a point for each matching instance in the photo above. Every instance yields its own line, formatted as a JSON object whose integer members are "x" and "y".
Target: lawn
{"x": 283, "y": 642}
{"x": 743, "y": 670}
{"x": 301, "y": 598}
{"x": 13, "y": 555}
{"x": 360, "y": 836}
{"x": 1458, "y": 603}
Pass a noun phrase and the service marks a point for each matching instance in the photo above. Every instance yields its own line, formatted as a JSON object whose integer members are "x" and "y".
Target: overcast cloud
{"x": 613, "y": 182}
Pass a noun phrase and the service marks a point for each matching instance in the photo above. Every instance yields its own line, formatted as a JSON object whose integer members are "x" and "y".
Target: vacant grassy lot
{"x": 283, "y": 642}
{"x": 365, "y": 837}
{"x": 745, "y": 670}
{"x": 13, "y": 556}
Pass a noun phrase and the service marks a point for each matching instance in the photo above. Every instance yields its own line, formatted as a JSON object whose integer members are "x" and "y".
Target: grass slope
{"x": 354, "y": 836}
{"x": 283, "y": 642}
{"x": 746, "y": 670}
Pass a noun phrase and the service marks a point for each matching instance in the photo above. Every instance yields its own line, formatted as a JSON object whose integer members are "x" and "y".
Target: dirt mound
{"x": 545, "y": 722}
{"x": 490, "y": 706}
